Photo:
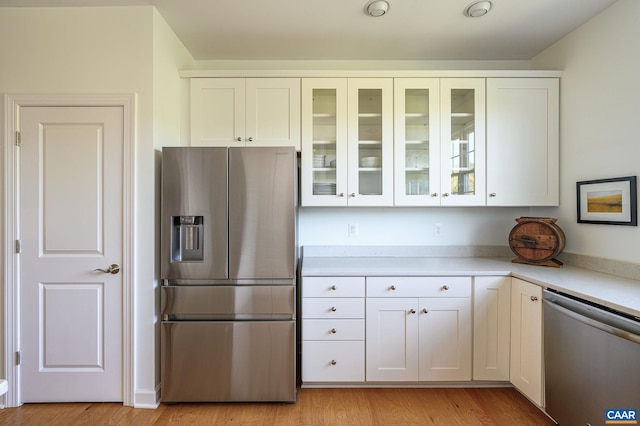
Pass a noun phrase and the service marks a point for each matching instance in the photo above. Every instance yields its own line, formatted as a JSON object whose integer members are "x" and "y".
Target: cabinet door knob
{"x": 250, "y": 139}
{"x": 333, "y": 362}
{"x": 445, "y": 287}
{"x": 333, "y": 287}
{"x": 493, "y": 194}
{"x": 435, "y": 194}
{"x": 239, "y": 139}
{"x": 412, "y": 311}
{"x": 393, "y": 287}
{"x": 352, "y": 195}
{"x": 341, "y": 194}
{"x": 333, "y": 309}
{"x": 424, "y": 311}
{"x": 446, "y": 194}
{"x": 533, "y": 298}
{"x": 333, "y": 331}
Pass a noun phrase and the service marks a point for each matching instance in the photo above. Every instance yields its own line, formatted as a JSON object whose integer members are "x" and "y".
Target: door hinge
{"x": 18, "y": 246}
{"x": 18, "y": 358}
{"x": 18, "y": 138}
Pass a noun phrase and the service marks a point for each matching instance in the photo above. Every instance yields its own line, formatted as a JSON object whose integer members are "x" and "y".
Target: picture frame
{"x": 608, "y": 201}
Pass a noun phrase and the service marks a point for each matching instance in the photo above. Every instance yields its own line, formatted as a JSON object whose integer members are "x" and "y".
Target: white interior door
{"x": 71, "y": 224}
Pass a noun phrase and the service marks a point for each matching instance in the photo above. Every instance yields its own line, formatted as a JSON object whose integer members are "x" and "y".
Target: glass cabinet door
{"x": 324, "y": 152}
{"x": 417, "y": 143}
{"x": 370, "y": 141}
{"x": 463, "y": 141}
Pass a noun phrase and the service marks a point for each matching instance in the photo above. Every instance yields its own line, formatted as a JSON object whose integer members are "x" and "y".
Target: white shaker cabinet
{"x": 522, "y": 141}
{"x": 491, "y": 328}
{"x": 333, "y": 329}
{"x": 347, "y": 143}
{"x": 462, "y": 135}
{"x": 418, "y": 329}
{"x": 417, "y": 141}
{"x": 526, "y": 339}
{"x": 439, "y": 141}
{"x": 245, "y": 112}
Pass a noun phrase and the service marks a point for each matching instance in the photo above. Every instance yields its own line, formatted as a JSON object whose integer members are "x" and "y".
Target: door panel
{"x": 71, "y": 225}
{"x": 194, "y": 186}
{"x": 235, "y": 361}
{"x": 262, "y": 213}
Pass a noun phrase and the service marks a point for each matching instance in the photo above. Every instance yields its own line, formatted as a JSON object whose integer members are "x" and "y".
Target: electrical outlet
{"x": 353, "y": 229}
{"x": 437, "y": 229}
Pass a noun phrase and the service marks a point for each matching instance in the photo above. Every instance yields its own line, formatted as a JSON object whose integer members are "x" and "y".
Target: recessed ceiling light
{"x": 477, "y": 9}
{"x": 377, "y": 8}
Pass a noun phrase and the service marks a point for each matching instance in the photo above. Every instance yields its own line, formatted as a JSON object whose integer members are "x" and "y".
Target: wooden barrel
{"x": 537, "y": 241}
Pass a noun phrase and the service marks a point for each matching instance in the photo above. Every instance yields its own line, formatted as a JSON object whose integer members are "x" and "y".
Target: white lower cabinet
{"x": 491, "y": 328}
{"x": 333, "y": 329}
{"x": 526, "y": 339}
{"x": 422, "y": 329}
{"x": 416, "y": 332}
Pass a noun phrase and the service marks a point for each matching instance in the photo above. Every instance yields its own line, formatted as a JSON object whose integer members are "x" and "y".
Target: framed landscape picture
{"x": 608, "y": 201}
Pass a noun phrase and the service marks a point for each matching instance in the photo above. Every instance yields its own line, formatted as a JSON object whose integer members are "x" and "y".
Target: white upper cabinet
{"x": 439, "y": 141}
{"x": 417, "y": 141}
{"x": 245, "y": 112}
{"x": 324, "y": 142}
{"x": 522, "y": 141}
{"x": 347, "y": 154}
{"x": 462, "y": 135}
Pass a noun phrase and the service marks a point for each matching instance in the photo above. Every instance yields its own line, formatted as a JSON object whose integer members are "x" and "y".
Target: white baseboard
{"x": 147, "y": 398}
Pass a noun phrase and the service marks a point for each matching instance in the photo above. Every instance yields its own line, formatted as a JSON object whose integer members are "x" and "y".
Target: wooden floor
{"x": 501, "y": 406}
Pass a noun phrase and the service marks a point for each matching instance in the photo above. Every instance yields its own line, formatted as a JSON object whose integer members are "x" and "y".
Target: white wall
{"x": 108, "y": 50}
{"x": 599, "y": 112}
{"x": 408, "y": 225}
{"x": 169, "y": 109}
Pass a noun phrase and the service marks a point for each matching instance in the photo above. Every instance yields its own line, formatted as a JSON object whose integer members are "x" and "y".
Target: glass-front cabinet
{"x": 417, "y": 141}
{"x": 439, "y": 146}
{"x": 462, "y": 135}
{"x": 347, "y": 142}
{"x": 324, "y": 146}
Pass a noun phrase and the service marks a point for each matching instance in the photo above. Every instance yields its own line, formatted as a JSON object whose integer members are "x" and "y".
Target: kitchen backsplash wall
{"x": 463, "y": 226}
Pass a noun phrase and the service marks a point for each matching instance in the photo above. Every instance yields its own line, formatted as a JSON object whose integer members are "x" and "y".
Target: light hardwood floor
{"x": 496, "y": 406}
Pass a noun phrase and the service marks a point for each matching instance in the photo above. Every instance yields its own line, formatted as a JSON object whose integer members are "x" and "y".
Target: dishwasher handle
{"x": 624, "y": 328}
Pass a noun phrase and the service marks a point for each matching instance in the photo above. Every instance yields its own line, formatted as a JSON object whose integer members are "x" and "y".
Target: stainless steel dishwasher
{"x": 591, "y": 360}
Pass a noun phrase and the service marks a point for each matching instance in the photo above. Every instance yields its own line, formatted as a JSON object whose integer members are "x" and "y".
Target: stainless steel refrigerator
{"x": 228, "y": 269}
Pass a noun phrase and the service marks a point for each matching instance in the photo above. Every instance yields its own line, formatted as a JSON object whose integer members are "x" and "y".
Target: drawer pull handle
{"x": 333, "y": 309}
{"x": 533, "y": 298}
{"x": 424, "y": 311}
{"x": 333, "y": 331}
{"x": 333, "y": 287}
{"x": 445, "y": 287}
{"x": 393, "y": 287}
{"x": 333, "y": 362}
{"x": 412, "y": 311}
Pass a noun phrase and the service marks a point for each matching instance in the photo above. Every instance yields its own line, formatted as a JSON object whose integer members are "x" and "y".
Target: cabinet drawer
{"x": 418, "y": 286}
{"x": 327, "y": 307}
{"x": 332, "y": 361}
{"x": 333, "y": 287}
{"x": 330, "y": 329}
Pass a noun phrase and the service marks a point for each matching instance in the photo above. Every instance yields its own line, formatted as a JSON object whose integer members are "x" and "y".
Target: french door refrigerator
{"x": 228, "y": 268}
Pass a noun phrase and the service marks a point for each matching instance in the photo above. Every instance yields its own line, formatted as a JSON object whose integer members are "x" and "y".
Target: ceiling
{"x": 340, "y": 29}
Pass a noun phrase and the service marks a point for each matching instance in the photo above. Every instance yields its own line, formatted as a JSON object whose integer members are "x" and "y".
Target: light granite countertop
{"x": 609, "y": 290}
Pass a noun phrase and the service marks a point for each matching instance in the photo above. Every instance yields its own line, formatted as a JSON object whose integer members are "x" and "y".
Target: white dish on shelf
{"x": 370, "y": 162}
